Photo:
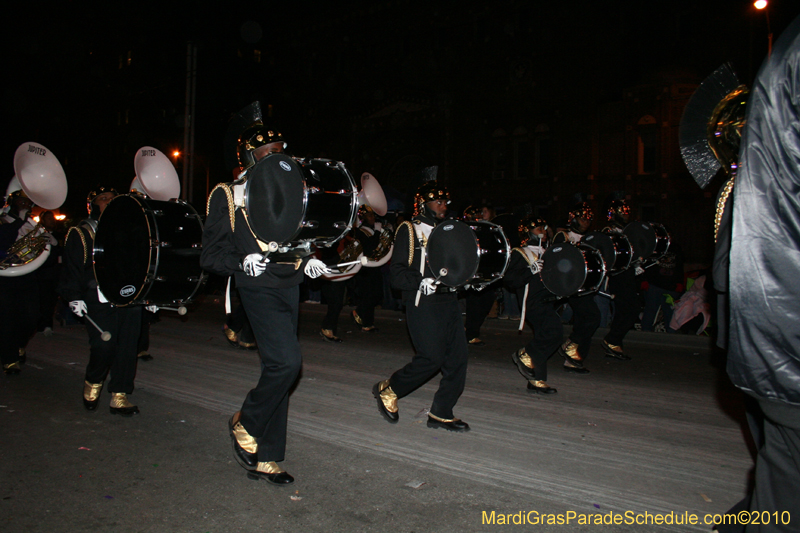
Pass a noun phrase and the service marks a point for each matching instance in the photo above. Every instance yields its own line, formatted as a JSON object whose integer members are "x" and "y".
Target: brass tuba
{"x": 41, "y": 177}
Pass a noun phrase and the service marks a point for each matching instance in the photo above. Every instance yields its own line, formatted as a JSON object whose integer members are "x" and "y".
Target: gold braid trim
{"x": 721, "y": 204}
{"x": 411, "y": 235}
{"x": 524, "y": 255}
{"x": 83, "y": 240}
{"x": 231, "y": 207}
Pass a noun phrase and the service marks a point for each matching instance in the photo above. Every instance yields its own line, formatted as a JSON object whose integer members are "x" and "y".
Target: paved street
{"x": 659, "y": 434}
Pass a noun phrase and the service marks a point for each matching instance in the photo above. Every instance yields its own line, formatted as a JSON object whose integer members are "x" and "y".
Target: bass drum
{"x": 476, "y": 254}
{"x": 453, "y": 253}
{"x": 569, "y": 269}
{"x": 299, "y": 203}
{"x": 148, "y": 251}
{"x": 649, "y": 241}
{"x": 615, "y": 247}
{"x": 494, "y": 250}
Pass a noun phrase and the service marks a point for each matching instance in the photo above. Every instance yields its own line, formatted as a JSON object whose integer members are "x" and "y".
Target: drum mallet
{"x": 271, "y": 247}
{"x": 180, "y": 310}
{"x": 105, "y": 335}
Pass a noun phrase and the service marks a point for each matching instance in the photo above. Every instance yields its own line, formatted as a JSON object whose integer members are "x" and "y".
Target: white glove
{"x": 377, "y": 227}
{"x": 254, "y": 264}
{"x": 427, "y": 286}
{"x": 315, "y": 268}
{"x": 639, "y": 270}
{"x": 78, "y": 307}
{"x": 152, "y": 308}
{"x": 479, "y": 288}
{"x": 536, "y": 266}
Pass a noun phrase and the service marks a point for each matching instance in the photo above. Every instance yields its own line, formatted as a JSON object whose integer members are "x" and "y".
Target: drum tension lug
{"x": 312, "y": 224}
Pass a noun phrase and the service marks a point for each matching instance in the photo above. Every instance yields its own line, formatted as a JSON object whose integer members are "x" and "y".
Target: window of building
{"x": 646, "y": 145}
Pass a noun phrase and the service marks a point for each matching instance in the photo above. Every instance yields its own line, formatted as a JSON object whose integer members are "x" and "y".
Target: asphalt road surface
{"x": 658, "y": 436}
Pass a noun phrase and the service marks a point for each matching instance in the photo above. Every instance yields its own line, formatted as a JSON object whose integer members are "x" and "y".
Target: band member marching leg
{"x": 368, "y": 281}
{"x": 522, "y": 276}
{"x": 435, "y": 324}
{"x": 270, "y": 294}
{"x": 586, "y": 315}
{"x": 78, "y": 286}
{"x": 623, "y": 286}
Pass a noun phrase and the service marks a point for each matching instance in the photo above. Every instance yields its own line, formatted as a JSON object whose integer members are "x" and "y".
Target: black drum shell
{"x": 494, "y": 251}
{"x": 615, "y": 247}
{"x": 453, "y": 253}
{"x": 642, "y": 237}
{"x": 569, "y": 269}
{"x": 148, "y": 251}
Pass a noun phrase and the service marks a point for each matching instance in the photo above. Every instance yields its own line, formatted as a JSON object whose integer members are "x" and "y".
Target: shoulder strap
{"x": 411, "y": 234}
{"x": 77, "y": 229}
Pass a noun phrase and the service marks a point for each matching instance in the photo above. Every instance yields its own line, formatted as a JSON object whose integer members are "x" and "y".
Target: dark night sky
{"x": 330, "y": 61}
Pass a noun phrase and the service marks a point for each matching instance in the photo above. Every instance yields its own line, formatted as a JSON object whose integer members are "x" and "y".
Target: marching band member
{"x": 271, "y": 297}
{"x": 586, "y": 315}
{"x": 19, "y": 296}
{"x": 435, "y": 324}
{"x": 368, "y": 281}
{"x": 623, "y": 287}
{"x": 78, "y": 286}
{"x": 522, "y": 275}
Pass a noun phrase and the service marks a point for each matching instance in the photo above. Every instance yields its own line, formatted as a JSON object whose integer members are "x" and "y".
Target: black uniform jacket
{"x": 77, "y": 280}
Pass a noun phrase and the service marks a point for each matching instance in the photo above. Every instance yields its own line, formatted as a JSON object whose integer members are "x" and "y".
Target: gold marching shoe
{"x": 328, "y": 335}
{"x": 144, "y": 356}
{"x": 12, "y": 369}
{"x": 357, "y": 319}
{"x": 524, "y": 363}
{"x": 245, "y": 446}
{"x": 272, "y": 473}
{"x": 573, "y": 362}
{"x": 612, "y": 350}
{"x": 387, "y": 401}
{"x": 91, "y": 395}
{"x": 121, "y": 406}
{"x": 231, "y": 336}
{"x": 537, "y": 386}
{"x": 450, "y": 424}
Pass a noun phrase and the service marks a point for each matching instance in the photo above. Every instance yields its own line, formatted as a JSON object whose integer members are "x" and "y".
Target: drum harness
{"x": 533, "y": 263}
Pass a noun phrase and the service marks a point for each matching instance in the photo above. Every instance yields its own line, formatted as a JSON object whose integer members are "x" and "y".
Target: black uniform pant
{"x": 626, "y": 305}
{"x": 333, "y": 292}
{"x": 437, "y": 332}
{"x": 479, "y": 303}
{"x": 273, "y": 317}
{"x": 117, "y": 356}
{"x": 548, "y": 332}
{"x": 19, "y": 314}
{"x": 585, "y": 321}
{"x": 369, "y": 293}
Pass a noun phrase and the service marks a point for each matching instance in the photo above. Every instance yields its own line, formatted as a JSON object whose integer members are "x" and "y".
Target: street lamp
{"x": 762, "y": 5}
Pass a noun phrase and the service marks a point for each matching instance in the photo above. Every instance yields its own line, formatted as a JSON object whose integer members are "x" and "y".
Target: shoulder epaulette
{"x": 231, "y": 207}
{"x": 525, "y": 255}
{"x": 83, "y": 239}
{"x": 411, "y": 234}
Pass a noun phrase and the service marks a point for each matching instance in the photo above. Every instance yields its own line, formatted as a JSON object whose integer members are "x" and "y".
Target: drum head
{"x": 602, "y": 241}
{"x": 563, "y": 270}
{"x": 275, "y": 198}
{"x": 122, "y": 250}
{"x": 453, "y": 253}
{"x": 642, "y": 237}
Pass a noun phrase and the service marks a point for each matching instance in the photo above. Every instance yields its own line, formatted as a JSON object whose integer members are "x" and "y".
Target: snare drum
{"x": 649, "y": 241}
{"x": 475, "y": 254}
{"x": 148, "y": 251}
{"x": 615, "y": 247}
{"x": 569, "y": 269}
{"x": 299, "y": 202}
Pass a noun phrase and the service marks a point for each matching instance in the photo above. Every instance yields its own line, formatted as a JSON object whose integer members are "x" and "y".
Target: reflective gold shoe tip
{"x": 245, "y": 440}
{"x": 119, "y": 400}
{"x": 328, "y": 333}
{"x": 445, "y": 420}
{"x": 91, "y": 391}
{"x": 539, "y": 384}
{"x": 269, "y": 467}
{"x": 525, "y": 358}
{"x": 388, "y": 396}
{"x": 613, "y": 347}
{"x": 357, "y": 319}
{"x": 230, "y": 334}
{"x": 12, "y": 367}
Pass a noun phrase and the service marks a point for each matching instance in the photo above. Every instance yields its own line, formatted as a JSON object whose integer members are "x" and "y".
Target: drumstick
{"x": 271, "y": 247}
{"x": 340, "y": 265}
{"x": 105, "y": 335}
{"x": 181, "y": 310}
